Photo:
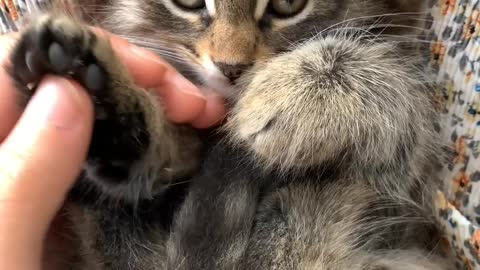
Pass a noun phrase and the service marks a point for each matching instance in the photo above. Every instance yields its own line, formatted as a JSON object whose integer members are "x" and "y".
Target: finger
{"x": 39, "y": 162}
{"x": 184, "y": 102}
{"x": 9, "y": 111}
{"x": 213, "y": 114}
{"x": 147, "y": 68}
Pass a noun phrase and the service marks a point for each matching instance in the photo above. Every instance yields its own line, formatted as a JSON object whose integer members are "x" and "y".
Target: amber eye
{"x": 190, "y": 4}
{"x": 287, "y": 8}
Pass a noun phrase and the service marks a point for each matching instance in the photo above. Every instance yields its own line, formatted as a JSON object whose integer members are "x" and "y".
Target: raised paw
{"x": 134, "y": 152}
{"x": 57, "y": 45}
{"x": 121, "y": 136}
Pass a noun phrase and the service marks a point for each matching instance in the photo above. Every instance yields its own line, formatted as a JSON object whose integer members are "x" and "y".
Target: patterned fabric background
{"x": 12, "y": 10}
{"x": 455, "y": 59}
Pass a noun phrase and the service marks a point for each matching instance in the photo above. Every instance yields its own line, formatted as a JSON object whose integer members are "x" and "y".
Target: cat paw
{"x": 63, "y": 47}
{"x": 57, "y": 46}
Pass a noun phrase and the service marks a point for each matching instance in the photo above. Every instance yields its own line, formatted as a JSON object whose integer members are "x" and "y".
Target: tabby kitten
{"x": 326, "y": 160}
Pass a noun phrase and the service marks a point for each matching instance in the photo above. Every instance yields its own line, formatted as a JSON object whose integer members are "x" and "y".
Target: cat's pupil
{"x": 190, "y": 4}
{"x": 287, "y": 8}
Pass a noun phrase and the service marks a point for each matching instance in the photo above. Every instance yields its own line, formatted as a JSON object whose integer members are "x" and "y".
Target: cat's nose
{"x": 232, "y": 72}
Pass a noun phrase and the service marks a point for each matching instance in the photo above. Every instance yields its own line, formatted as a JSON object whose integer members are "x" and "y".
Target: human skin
{"x": 43, "y": 147}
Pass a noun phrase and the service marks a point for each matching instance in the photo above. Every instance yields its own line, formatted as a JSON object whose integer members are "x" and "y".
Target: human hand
{"x": 45, "y": 147}
{"x": 184, "y": 102}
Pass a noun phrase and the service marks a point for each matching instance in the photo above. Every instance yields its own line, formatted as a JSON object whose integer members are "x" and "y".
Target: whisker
{"x": 379, "y": 16}
{"x": 398, "y": 26}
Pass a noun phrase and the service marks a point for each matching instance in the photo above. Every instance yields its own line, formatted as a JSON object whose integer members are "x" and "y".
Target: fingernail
{"x": 180, "y": 83}
{"x": 215, "y": 113}
{"x": 56, "y": 103}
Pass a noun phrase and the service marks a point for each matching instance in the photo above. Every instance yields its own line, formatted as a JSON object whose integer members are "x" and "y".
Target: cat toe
{"x": 57, "y": 46}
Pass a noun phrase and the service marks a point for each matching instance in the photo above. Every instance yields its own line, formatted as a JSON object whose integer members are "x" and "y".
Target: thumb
{"x": 39, "y": 162}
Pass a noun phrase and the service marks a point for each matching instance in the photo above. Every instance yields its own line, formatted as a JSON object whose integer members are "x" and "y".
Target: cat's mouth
{"x": 213, "y": 79}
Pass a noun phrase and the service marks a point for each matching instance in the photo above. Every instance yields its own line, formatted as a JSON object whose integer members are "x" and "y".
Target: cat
{"x": 326, "y": 161}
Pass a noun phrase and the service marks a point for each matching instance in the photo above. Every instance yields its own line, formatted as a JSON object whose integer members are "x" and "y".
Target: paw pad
{"x": 94, "y": 78}
{"x": 59, "y": 59}
{"x": 49, "y": 50}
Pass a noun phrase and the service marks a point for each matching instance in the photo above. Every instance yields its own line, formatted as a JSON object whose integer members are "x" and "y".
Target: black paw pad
{"x": 46, "y": 49}
{"x": 59, "y": 59}
{"x": 94, "y": 78}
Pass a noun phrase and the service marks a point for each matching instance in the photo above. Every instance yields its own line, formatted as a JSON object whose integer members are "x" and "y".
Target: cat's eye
{"x": 287, "y": 8}
{"x": 190, "y": 4}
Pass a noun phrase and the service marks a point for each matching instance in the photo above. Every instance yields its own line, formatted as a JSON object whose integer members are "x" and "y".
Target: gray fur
{"x": 327, "y": 159}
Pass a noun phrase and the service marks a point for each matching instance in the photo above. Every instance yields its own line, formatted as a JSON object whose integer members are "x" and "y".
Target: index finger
{"x": 153, "y": 69}
{"x": 184, "y": 102}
